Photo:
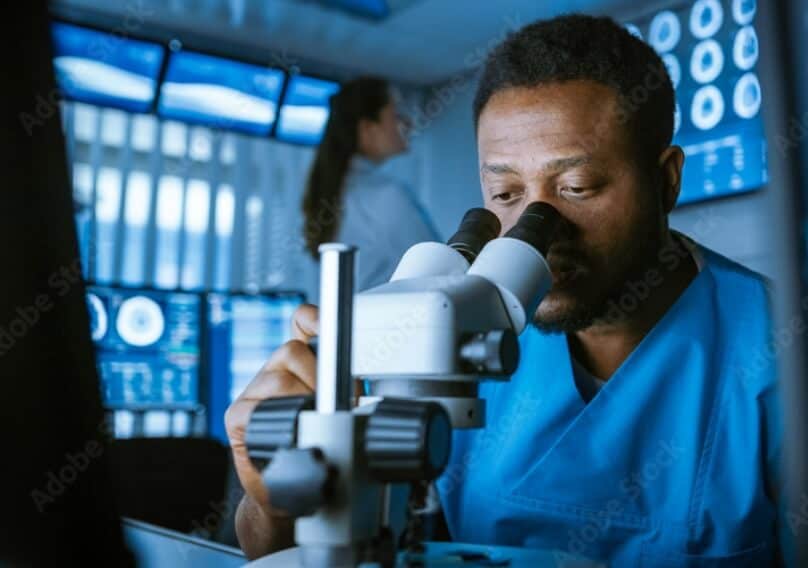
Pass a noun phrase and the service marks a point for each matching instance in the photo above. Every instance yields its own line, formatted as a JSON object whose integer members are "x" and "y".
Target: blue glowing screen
{"x": 221, "y": 93}
{"x": 104, "y": 68}
{"x": 304, "y": 111}
{"x": 147, "y": 346}
{"x": 243, "y": 331}
{"x": 711, "y": 50}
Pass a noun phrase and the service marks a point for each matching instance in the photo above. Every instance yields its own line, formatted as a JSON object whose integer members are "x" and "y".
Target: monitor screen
{"x": 304, "y": 111}
{"x": 243, "y": 331}
{"x": 147, "y": 346}
{"x": 105, "y": 69}
{"x": 710, "y": 48}
{"x": 221, "y": 93}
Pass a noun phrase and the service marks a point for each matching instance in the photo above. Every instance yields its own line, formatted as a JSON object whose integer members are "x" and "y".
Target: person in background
{"x": 349, "y": 198}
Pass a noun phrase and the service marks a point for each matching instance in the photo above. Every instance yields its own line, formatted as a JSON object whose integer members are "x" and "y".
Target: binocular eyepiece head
{"x": 538, "y": 225}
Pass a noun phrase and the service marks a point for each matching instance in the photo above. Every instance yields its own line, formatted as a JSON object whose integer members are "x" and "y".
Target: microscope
{"x": 448, "y": 318}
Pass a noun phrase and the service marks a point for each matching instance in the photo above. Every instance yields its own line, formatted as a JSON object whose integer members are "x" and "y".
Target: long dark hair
{"x": 322, "y": 203}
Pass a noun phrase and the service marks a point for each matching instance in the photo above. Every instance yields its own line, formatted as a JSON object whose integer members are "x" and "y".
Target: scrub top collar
{"x": 360, "y": 165}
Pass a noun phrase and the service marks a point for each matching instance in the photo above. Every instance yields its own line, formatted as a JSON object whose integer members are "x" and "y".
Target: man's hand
{"x": 290, "y": 371}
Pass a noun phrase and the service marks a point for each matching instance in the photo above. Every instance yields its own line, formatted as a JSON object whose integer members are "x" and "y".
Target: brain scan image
{"x": 99, "y": 320}
{"x": 707, "y": 108}
{"x": 745, "y": 49}
{"x": 140, "y": 321}
{"x": 746, "y": 96}
{"x": 707, "y": 61}
{"x": 665, "y": 31}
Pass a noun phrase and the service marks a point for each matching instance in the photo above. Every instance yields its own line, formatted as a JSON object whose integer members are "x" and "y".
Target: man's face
{"x": 564, "y": 144}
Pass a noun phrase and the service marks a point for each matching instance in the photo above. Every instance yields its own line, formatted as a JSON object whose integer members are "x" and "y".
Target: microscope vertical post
{"x": 341, "y": 530}
{"x": 334, "y": 382}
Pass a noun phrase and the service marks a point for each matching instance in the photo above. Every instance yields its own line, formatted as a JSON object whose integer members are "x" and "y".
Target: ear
{"x": 670, "y": 164}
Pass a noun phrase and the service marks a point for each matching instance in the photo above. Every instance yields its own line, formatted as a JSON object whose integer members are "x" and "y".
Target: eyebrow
{"x": 553, "y": 166}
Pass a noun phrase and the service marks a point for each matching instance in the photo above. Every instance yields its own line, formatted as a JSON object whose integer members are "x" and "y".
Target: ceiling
{"x": 423, "y": 42}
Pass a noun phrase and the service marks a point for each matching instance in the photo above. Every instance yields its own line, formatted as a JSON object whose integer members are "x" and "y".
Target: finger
{"x": 249, "y": 477}
{"x": 306, "y": 323}
{"x": 295, "y": 357}
{"x": 265, "y": 386}
{"x": 237, "y": 418}
{"x": 274, "y": 384}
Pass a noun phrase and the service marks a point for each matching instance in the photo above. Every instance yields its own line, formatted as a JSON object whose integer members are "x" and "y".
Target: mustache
{"x": 566, "y": 255}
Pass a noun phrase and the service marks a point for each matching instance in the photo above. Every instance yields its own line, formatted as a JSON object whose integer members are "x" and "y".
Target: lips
{"x": 561, "y": 277}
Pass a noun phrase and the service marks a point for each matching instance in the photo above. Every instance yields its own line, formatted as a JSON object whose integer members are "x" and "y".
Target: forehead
{"x": 552, "y": 119}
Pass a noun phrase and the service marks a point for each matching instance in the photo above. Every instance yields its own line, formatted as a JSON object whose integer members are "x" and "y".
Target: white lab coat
{"x": 382, "y": 218}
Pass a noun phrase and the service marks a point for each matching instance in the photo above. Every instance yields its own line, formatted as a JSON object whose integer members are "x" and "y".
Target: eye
{"x": 505, "y": 196}
{"x": 573, "y": 189}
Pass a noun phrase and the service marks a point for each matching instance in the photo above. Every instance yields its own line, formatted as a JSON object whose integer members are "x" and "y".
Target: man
{"x": 641, "y": 425}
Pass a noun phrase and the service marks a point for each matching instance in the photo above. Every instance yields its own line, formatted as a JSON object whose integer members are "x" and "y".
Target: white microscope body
{"x": 444, "y": 323}
{"x": 448, "y": 318}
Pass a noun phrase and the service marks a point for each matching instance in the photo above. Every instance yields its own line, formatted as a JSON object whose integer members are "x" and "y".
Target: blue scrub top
{"x": 673, "y": 462}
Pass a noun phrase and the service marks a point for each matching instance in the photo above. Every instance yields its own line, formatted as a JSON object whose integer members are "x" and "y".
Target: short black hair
{"x": 581, "y": 47}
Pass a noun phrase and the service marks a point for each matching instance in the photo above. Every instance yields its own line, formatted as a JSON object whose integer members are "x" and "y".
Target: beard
{"x": 582, "y": 317}
{"x": 585, "y": 290}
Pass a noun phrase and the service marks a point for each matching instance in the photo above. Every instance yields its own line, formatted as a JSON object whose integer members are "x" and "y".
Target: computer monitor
{"x": 106, "y": 69}
{"x": 711, "y": 50}
{"x": 147, "y": 346}
{"x": 243, "y": 330}
{"x": 220, "y": 92}
{"x": 304, "y": 110}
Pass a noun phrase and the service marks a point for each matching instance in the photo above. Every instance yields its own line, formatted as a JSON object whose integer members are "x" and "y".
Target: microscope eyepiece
{"x": 477, "y": 228}
{"x": 537, "y": 226}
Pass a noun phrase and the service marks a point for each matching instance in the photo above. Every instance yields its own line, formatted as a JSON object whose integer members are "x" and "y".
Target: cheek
{"x": 615, "y": 232}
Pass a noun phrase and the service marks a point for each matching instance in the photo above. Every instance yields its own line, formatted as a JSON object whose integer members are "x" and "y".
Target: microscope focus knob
{"x": 273, "y": 426}
{"x": 407, "y": 440}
